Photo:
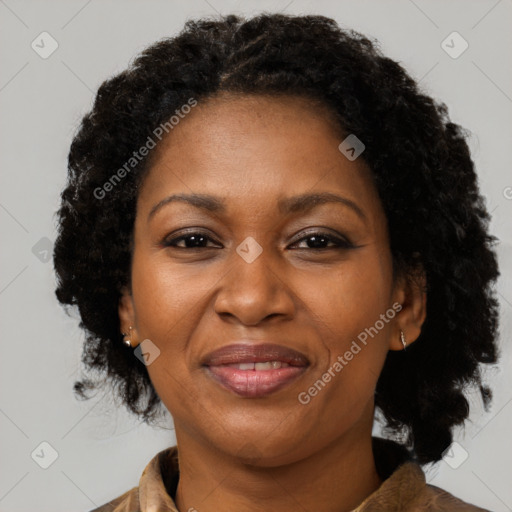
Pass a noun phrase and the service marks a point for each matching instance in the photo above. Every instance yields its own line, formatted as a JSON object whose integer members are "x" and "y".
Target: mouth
{"x": 254, "y": 371}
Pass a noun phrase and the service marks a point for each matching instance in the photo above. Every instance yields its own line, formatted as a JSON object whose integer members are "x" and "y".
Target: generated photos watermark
{"x": 144, "y": 150}
{"x": 305, "y": 397}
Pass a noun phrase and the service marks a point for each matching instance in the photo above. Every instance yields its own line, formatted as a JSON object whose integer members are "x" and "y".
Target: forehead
{"x": 256, "y": 148}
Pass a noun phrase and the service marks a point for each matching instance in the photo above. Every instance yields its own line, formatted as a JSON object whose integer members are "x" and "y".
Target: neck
{"x": 336, "y": 478}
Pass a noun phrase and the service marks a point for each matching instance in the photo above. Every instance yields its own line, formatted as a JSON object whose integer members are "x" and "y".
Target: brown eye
{"x": 192, "y": 240}
{"x": 320, "y": 240}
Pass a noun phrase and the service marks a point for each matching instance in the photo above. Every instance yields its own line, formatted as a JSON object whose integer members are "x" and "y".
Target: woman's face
{"x": 245, "y": 267}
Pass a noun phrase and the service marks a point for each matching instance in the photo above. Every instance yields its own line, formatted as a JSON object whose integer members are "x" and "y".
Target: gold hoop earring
{"x": 402, "y": 339}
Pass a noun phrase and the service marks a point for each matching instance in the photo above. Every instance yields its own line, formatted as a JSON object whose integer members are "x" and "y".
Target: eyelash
{"x": 340, "y": 243}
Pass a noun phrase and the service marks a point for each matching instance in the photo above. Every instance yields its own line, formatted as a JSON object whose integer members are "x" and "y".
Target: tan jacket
{"x": 404, "y": 488}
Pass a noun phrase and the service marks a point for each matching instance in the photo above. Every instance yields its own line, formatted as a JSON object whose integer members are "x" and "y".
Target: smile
{"x": 254, "y": 383}
{"x": 254, "y": 371}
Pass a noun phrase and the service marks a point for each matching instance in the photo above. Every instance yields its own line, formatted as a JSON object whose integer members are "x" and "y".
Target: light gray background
{"x": 101, "y": 449}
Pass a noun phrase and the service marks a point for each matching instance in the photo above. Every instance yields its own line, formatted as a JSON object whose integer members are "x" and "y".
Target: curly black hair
{"x": 421, "y": 166}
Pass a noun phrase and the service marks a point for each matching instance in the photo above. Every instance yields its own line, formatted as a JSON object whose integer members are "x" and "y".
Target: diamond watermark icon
{"x": 147, "y": 352}
{"x": 351, "y": 147}
{"x": 249, "y": 249}
{"x": 44, "y": 455}
{"x": 455, "y": 455}
{"x": 454, "y": 45}
{"x": 44, "y": 45}
{"x": 42, "y": 250}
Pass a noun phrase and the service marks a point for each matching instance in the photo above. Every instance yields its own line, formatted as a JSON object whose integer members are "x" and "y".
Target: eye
{"x": 318, "y": 241}
{"x": 192, "y": 240}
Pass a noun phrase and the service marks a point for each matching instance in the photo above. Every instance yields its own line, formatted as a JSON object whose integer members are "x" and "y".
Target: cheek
{"x": 166, "y": 294}
{"x": 347, "y": 318}
{"x": 164, "y": 307}
{"x": 166, "y": 303}
{"x": 350, "y": 298}
{"x": 351, "y": 312}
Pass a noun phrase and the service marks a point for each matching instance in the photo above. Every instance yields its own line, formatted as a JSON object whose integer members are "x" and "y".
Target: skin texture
{"x": 273, "y": 451}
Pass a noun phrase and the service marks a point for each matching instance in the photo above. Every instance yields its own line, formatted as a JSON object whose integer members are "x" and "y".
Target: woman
{"x": 272, "y": 233}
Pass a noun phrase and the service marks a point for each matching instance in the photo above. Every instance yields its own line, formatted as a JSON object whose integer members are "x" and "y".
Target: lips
{"x": 245, "y": 353}
{"x": 255, "y": 370}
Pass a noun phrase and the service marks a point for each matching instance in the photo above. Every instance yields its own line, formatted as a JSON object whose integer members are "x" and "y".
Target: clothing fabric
{"x": 404, "y": 488}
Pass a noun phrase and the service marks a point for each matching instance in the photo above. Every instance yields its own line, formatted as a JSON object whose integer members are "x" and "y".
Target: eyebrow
{"x": 301, "y": 203}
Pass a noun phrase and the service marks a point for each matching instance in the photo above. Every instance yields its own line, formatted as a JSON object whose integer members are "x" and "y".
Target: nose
{"x": 251, "y": 291}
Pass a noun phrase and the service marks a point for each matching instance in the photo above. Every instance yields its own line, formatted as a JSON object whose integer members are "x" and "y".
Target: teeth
{"x": 268, "y": 365}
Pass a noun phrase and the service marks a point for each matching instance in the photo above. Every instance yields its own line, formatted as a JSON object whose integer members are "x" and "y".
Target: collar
{"x": 403, "y": 480}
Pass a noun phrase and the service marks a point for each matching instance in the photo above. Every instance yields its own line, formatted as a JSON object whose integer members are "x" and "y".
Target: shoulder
{"x": 435, "y": 498}
{"x": 156, "y": 486}
{"x": 415, "y": 495}
{"x": 407, "y": 491}
{"x": 127, "y": 502}
{"x": 404, "y": 487}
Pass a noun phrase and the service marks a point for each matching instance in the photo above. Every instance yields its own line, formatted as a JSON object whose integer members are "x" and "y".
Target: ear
{"x": 411, "y": 293}
{"x": 126, "y": 311}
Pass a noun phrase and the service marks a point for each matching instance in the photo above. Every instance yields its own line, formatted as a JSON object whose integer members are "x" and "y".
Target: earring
{"x": 128, "y": 342}
{"x": 402, "y": 338}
